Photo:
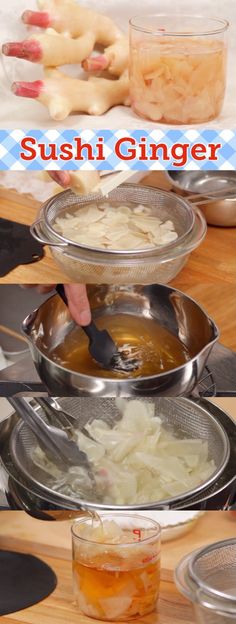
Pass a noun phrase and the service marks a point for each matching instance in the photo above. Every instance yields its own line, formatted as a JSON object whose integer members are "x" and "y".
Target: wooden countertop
{"x": 51, "y": 542}
{"x": 227, "y": 404}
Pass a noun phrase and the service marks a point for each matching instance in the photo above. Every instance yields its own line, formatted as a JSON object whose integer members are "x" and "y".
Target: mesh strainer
{"x": 208, "y": 578}
{"x": 189, "y": 419}
{"x": 90, "y": 265}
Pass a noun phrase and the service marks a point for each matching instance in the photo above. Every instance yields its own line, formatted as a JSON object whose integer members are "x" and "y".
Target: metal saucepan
{"x": 182, "y": 316}
{"x": 222, "y": 211}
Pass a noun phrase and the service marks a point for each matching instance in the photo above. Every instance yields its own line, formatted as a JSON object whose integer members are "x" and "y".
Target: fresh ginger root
{"x": 84, "y": 182}
{"x": 67, "y": 16}
{"x": 78, "y": 30}
{"x": 63, "y": 95}
{"x": 52, "y": 49}
{"x": 115, "y": 59}
{"x": 81, "y": 182}
{"x": 71, "y": 34}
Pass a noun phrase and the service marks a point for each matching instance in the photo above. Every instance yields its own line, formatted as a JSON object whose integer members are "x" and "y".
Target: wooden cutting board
{"x": 60, "y": 607}
{"x": 51, "y": 542}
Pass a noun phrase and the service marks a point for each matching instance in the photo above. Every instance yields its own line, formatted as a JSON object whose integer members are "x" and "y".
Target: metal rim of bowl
{"x": 178, "y": 186}
{"x": 162, "y": 503}
{"x": 95, "y": 197}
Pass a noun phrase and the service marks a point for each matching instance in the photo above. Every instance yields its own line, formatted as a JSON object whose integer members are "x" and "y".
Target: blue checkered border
{"x": 10, "y": 149}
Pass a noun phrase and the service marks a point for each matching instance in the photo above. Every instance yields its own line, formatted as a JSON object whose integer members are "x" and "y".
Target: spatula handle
{"x": 61, "y": 292}
{"x": 91, "y": 329}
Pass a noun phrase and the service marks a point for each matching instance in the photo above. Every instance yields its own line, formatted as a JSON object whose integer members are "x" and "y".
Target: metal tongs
{"x": 63, "y": 451}
{"x": 57, "y": 414}
{"x": 209, "y": 197}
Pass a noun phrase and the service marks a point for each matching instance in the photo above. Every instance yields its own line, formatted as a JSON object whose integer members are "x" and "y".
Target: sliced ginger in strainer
{"x": 115, "y": 227}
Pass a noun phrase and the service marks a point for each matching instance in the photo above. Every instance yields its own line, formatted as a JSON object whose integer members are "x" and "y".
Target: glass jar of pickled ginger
{"x": 178, "y": 68}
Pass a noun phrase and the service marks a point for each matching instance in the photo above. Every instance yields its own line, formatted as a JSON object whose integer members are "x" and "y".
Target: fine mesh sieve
{"x": 214, "y": 570}
{"x": 98, "y": 265}
{"x": 186, "y": 417}
{"x": 208, "y": 578}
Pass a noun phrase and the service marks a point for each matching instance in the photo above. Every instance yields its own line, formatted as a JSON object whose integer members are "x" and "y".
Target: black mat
{"x": 17, "y": 246}
{"x": 10, "y": 388}
{"x": 24, "y": 581}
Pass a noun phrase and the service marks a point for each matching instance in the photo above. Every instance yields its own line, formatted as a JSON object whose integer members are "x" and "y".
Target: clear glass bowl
{"x": 160, "y": 264}
{"x": 207, "y": 577}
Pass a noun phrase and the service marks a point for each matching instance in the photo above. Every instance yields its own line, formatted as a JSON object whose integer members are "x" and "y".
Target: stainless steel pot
{"x": 182, "y": 316}
{"x": 220, "y": 212}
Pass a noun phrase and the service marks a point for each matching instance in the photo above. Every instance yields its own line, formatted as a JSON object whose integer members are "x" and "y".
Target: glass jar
{"x": 116, "y": 566}
{"x": 178, "y": 68}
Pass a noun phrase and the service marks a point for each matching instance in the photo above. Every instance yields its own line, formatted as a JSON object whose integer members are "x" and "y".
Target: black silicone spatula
{"x": 101, "y": 346}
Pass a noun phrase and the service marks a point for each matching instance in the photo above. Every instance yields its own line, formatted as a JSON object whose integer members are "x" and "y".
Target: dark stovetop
{"x": 22, "y": 376}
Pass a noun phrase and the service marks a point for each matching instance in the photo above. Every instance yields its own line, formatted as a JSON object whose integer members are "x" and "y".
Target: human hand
{"x": 78, "y": 302}
{"x": 61, "y": 177}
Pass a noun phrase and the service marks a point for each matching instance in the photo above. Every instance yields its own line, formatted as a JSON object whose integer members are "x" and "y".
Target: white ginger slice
{"x": 87, "y": 607}
{"x": 144, "y": 224}
{"x": 137, "y": 416}
{"x": 142, "y": 210}
{"x": 131, "y": 242}
{"x": 168, "y": 237}
{"x": 84, "y": 182}
{"x": 116, "y": 606}
{"x": 167, "y": 225}
{"x": 115, "y": 228}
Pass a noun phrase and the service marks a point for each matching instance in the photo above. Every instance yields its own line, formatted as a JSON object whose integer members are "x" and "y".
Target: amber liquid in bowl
{"x": 155, "y": 348}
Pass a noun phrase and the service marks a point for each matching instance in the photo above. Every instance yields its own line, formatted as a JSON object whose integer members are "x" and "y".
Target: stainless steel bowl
{"x": 182, "y": 316}
{"x": 222, "y": 211}
{"x": 186, "y": 417}
{"x": 201, "y": 416}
